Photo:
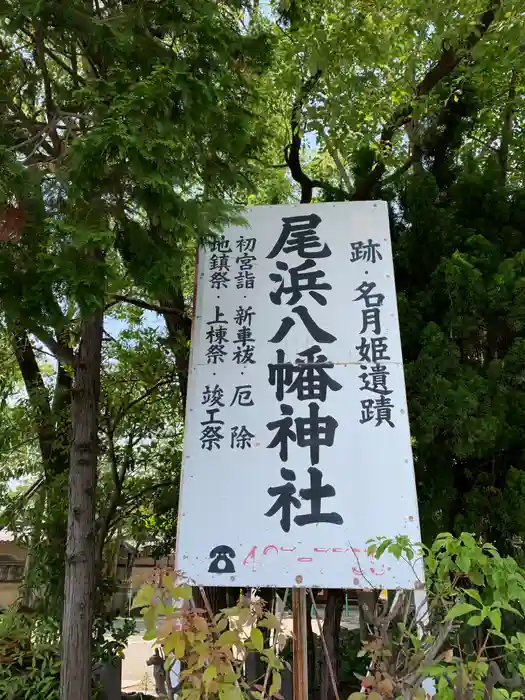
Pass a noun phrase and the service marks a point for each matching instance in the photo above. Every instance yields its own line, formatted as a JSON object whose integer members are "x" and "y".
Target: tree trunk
{"x": 79, "y": 587}
{"x": 331, "y": 629}
{"x": 366, "y": 601}
{"x": 310, "y": 647}
{"x": 179, "y": 334}
{"x": 27, "y": 588}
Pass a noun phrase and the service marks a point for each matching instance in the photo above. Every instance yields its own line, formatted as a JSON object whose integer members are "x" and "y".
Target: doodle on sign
{"x": 353, "y": 552}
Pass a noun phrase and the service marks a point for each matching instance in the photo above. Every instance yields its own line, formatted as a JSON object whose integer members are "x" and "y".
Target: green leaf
{"x": 179, "y": 644}
{"x": 209, "y": 675}
{"x": 509, "y": 608}
{"x": 436, "y": 671}
{"x": 459, "y": 609}
{"x": 275, "y": 687}
{"x": 463, "y": 562}
{"x": 500, "y": 635}
{"x": 183, "y": 592}
{"x": 228, "y": 638}
{"x": 495, "y": 618}
{"x": 229, "y": 692}
{"x": 257, "y": 639}
{"x": 270, "y": 621}
{"x": 472, "y": 593}
{"x": 144, "y": 596}
{"x": 475, "y": 620}
{"x": 477, "y": 578}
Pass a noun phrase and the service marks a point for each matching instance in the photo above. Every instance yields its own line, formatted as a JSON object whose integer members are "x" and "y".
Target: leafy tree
{"x": 423, "y": 106}
{"x": 115, "y": 155}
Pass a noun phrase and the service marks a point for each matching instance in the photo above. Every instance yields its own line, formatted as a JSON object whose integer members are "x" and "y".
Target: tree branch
{"x": 40, "y": 59}
{"x": 38, "y": 397}
{"x": 431, "y": 653}
{"x": 292, "y": 152}
{"x": 22, "y": 498}
{"x": 165, "y": 381}
{"x": 179, "y": 333}
{"x": 119, "y": 475}
{"x": 506, "y": 131}
{"x": 144, "y": 305}
{"x": 69, "y": 69}
{"x": 447, "y": 63}
{"x": 131, "y": 504}
{"x": 345, "y": 178}
{"x": 61, "y": 352}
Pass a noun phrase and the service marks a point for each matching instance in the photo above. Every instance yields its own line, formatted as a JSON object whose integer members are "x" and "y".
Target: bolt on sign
{"x": 297, "y": 444}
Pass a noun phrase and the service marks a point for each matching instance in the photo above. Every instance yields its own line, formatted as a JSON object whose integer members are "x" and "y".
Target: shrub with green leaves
{"x": 29, "y": 657}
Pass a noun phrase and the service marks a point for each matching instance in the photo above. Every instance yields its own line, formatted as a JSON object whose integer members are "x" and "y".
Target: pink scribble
{"x": 251, "y": 555}
{"x": 269, "y": 547}
{"x": 373, "y": 570}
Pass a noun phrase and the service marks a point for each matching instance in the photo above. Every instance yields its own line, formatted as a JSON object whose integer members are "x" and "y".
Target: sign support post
{"x": 300, "y": 645}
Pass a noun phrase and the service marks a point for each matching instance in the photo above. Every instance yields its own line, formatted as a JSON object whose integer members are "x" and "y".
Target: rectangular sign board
{"x": 297, "y": 444}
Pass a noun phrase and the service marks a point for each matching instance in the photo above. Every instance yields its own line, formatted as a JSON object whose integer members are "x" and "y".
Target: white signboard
{"x": 297, "y": 445}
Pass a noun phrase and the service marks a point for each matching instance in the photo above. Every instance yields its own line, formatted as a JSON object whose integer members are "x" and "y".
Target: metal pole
{"x": 300, "y": 652}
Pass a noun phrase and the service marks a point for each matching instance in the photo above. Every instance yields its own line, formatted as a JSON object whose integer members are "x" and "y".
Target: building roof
{"x": 6, "y": 535}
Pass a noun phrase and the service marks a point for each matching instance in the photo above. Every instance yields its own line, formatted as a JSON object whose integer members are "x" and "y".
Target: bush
{"x": 29, "y": 657}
